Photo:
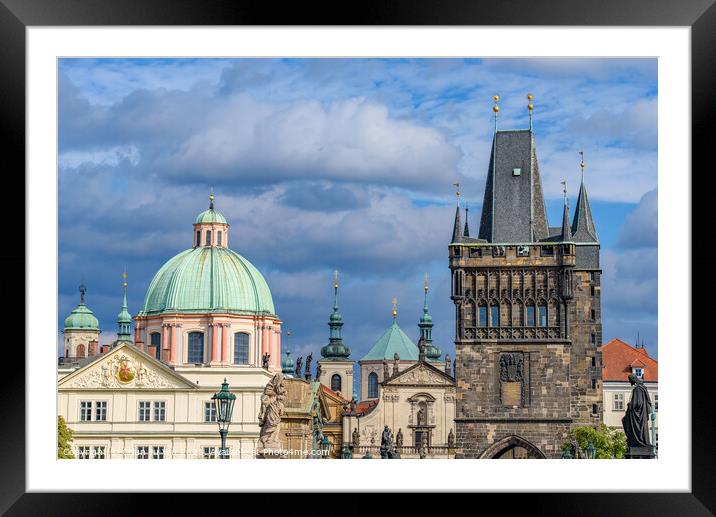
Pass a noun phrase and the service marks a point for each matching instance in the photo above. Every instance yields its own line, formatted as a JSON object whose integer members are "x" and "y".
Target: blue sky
{"x": 347, "y": 164}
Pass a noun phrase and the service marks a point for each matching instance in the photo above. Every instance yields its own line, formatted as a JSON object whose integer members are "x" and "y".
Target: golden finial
{"x": 529, "y": 98}
{"x": 457, "y": 191}
{"x": 395, "y": 308}
{"x": 581, "y": 164}
{"x": 425, "y": 282}
{"x": 211, "y": 198}
{"x": 335, "y": 279}
{"x": 124, "y": 279}
{"x": 496, "y": 108}
{"x": 564, "y": 190}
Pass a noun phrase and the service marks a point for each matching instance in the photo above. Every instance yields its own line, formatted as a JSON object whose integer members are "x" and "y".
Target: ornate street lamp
{"x": 591, "y": 451}
{"x": 224, "y": 406}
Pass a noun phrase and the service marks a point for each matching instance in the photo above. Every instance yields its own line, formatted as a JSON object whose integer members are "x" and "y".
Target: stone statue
{"x": 386, "y": 445}
{"x": 355, "y": 438}
{"x": 386, "y": 373}
{"x": 422, "y": 416}
{"x": 270, "y": 413}
{"x": 423, "y": 447}
{"x": 635, "y": 421}
{"x": 399, "y": 438}
{"x": 447, "y": 364}
{"x": 451, "y": 440}
{"x": 421, "y": 349}
{"x": 308, "y": 366}
{"x": 396, "y": 366}
{"x": 353, "y": 405}
{"x": 265, "y": 360}
{"x": 299, "y": 363}
{"x": 319, "y": 370}
{"x": 454, "y": 368}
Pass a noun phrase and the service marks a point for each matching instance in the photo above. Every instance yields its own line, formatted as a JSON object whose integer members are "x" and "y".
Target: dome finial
{"x": 83, "y": 291}
{"x": 581, "y": 164}
{"x": 530, "y": 107}
{"x": 457, "y": 192}
{"x": 395, "y": 308}
{"x": 496, "y": 108}
{"x": 211, "y": 199}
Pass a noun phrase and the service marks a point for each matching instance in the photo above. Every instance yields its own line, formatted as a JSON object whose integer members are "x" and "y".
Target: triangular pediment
{"x": 125, "y": 367}
{"x": 422, "y": 374}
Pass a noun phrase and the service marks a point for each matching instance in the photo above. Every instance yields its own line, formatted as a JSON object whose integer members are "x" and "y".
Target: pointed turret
{"x": 426, "y": 328}
{"x": 466, "y": 232}
{"x": 583, "y": 229}
{"x": 566, "y": 224}
{"x": 335, "y": 349}
{"x": 457, "y": 229}
{"x": 124, "y": 319}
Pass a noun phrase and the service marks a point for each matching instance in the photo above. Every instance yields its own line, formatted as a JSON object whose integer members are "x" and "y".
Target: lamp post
{"x": 224, "y": 405}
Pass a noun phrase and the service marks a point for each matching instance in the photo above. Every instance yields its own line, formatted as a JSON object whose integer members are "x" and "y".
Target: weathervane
{"x": 457, "y": 191}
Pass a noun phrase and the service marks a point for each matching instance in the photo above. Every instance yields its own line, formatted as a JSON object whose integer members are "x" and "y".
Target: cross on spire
{"x": 83, "y": 291}
{"x": 581, "y": 164}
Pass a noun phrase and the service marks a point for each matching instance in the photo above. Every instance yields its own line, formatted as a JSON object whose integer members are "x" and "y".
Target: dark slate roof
{"x": 457, "y": 230}
{"x": 513, "y": 208}
{"x": 583, "y": 227}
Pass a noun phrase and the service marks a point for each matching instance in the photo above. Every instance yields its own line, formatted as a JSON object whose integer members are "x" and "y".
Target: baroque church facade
{"x": 527, "y": 313}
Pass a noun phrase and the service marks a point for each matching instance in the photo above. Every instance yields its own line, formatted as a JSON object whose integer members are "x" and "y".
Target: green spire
{"x": 124, "y": 319}
{"x": 426, "y": 327}
{"x": 335, "y": 349}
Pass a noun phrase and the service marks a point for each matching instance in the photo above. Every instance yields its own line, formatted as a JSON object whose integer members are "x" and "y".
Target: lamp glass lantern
{"x": 224, "y": 406}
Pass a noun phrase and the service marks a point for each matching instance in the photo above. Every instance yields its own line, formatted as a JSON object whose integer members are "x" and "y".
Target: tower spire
{"x": 466, "y": 232}
{"x": 566, "y": 227}
{"x": 457, "y": 228}
{"x": 583, "y": 229}
{"x": 335, "y": 349}
{"x": 124, "y": 319}
{"x": 426, "y": 327}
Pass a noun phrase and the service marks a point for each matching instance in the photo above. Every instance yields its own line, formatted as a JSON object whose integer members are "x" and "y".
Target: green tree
{"x": 64, "y": 440}
{"x": 609, "y": 443}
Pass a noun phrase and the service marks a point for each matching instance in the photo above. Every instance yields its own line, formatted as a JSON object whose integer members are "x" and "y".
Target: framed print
{"x": 451, "y": 237}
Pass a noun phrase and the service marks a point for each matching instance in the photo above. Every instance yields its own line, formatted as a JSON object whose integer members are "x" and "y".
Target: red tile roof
{"x": 334, "y": 393}
{"x": 619, "y": 357}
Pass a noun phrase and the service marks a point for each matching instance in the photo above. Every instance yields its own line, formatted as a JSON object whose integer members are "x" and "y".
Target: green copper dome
{"x": 210, "y": 216}
{"x": 393, "y": 341}
{"x": 208, "y": 279}
{"x": 81, "y": 318}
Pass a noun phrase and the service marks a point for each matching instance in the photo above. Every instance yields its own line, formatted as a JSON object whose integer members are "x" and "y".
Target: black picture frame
{"x": 700, "y": 15}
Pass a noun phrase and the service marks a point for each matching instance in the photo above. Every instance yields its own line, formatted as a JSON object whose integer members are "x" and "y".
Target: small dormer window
{"x": 639, "y": 372}
{"x": 517, "y": 171}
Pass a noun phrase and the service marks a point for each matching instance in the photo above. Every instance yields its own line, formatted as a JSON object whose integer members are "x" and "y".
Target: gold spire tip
{"x": 530, "y": 106}
{"x": 496, "y": 108}
{"x": 395, "y": 307}
{"x": 335, "y": 279}
{"x": 425, "y": 283}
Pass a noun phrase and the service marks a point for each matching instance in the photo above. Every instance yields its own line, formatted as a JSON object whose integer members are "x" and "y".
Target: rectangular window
{"x": 494, "y": 316}
{"x": 618, "y": 402}
{"x": 143, "y": 452}
{"x": 591, "y": 290}
{"x": 594, "y": 362}
{"x": 85, "y": 410}
{"x": 656, "y": 402}
{"x": 482, "y": 315}
{"x": 595, "y": 409}
{"x": 516, "y": 171}
{"x": 593, "y": 315}
{"x": 144, "y": 411}
{"x": 218, "y": 238}
{"x": 594, "y": 339}
{"x": 209, "y": 453}
{"x": 160, "y": 411}
{"x": 639, "y": 372}
{"x": 209, "y": 412}
{"x": 208, "y": 238}
{"x": 98, "y": 452}
{"x": 158, "y": 453}
{"x": 100, "y": 410}
{"x": 542, "y": 309}
{"x": 530, "y": 316}
{"x": 83, "y": 452}
{"x": 594, "y": 384}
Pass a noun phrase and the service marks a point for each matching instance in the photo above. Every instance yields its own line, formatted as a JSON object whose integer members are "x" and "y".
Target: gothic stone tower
{"x": 528, "y": 321}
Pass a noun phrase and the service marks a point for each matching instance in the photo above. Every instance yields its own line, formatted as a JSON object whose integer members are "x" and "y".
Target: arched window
{"x": 208, "y": 238}
{"x": 198, "y": 238}
{"x": 494, "y": 314}
{"x": 530, "y": 314}
{"x": 542, "y": 315}
{"x": 241, "y": 348}
{"x": 195, "y": 353}
{"x": 482, "y": 315}
{"x": 155, "y": 339}
{"x": 80, "y": 351}
{"x": 373, "y": 385}
{"x": 336, "y": 382}
{"x": 218, "y": 238}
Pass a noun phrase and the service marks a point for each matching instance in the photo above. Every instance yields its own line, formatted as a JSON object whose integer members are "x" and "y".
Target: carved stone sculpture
{"x": 636, "y": 419}
{"x": 299, "y": 363}
{"x": 447, "y": 364}
{"x": 355, "y": 438}
{"x": 399, "y": 438}
{"x": 265, "y": 360}
{"x": 386, "y": 445}
{"x": 396, "y": 364}
{"x": 308, "y": 366}
{"x": 386, "y": 373}
{"x": 272, "y": 408}
{"x": 319, "y": 371}
{"x": 451, "y": 440}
